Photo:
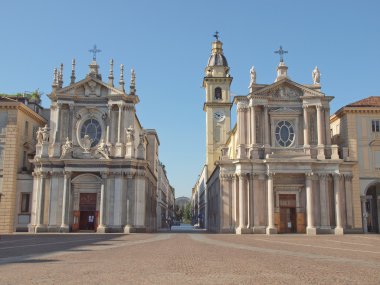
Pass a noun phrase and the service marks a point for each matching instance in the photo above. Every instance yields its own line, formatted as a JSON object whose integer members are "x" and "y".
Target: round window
{"x": 92, "y": 128}
{"x": 284, "y": 133}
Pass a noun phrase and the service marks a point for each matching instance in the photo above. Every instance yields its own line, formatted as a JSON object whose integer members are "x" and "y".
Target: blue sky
{"x": 168, "y": 43}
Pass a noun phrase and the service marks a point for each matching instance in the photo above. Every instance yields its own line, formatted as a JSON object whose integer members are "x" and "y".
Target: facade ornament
{"x": 102, "y": 149}
{"x": 132, "y": 87}
{"x": 45, "y": 134}
{"x": 55, "y": 78}
{"x": 67, "y": 148}
{"x": 39, "y": 136}
{"x": 253, "y": 77}
{"x": 86, "y": 142}
{"x": 130, "y": 133}
{"x": 316, "y": 76}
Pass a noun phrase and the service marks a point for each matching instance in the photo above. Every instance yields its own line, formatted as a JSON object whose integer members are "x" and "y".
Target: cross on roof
{"x": 216, "y": 35}
{"x": 281, "y": 52}
{"x": 94, "y": 50}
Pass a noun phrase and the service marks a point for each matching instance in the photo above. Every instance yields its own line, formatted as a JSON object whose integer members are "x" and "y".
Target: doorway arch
{"x": 85, "y": 201}
{"x": 371, "y": 208}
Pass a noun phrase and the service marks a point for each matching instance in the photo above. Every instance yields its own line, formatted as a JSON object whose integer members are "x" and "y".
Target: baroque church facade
{"x": 95, "y": 166}
{"x": 276, "y": 171}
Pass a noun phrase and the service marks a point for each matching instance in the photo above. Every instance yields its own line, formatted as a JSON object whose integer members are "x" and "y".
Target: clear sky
{"x": 168, "y": 42}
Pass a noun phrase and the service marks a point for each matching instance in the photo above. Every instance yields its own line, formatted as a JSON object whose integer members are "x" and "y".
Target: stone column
{"x": 310, "y": 230}
{"x": 57, "y": 137}
{"x": 349, "y": 208}
{"x": 327, "y": 126}
{"x": 40, "y": 204}
{"x": 119, "y": 123}
{"x": 305, "y": 128}
{"x": 241, "y": 109}
{"x": 102, "y": 209}
{"x": 235, "y": 200}
{"x": 266, "y": 127}
{"x": 338, "y": 214}
{"x": 65, "y": 209}
{"x": 253, "y": 125}
{"x": 71, "y": 127}
{"x": 242, "y": 220}
{"x": 364, "y": 214}
{"x": 321, "y": 148}
{"x": 108, "y": 124}
{"x": 324, "y": 200}
{"x": 271, "y": 229}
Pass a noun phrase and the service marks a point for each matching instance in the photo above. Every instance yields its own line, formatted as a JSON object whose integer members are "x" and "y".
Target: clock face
{"x": 219, "y": 116}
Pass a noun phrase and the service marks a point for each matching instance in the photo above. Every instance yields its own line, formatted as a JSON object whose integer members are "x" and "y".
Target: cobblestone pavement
{"x": 189, "y": 258}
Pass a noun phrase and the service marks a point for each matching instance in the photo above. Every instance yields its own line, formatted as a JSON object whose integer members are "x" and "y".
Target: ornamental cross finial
{"x": 94, "y": 50}
{"x": 216, "y": 36}
{"x": 281, "y": 52}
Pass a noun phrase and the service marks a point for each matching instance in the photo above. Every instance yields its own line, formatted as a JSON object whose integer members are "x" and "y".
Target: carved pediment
{"x": 90, "y": 88}
{"x": 284, "y": 110}
{"x": 286, "y": 88}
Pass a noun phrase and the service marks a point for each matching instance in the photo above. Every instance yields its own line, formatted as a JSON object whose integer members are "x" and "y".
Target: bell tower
{"x": 217, "y": 106}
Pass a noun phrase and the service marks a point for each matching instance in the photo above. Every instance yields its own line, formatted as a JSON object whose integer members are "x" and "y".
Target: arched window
{"x": 218, "y": 93}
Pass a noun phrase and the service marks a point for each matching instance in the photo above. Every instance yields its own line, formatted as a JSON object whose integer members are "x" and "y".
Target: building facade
{"x": 95, "y": 166}
{"x": 356, "y": 128}
{"x": 199, "y": 199}
{"x": 276, "y": 171}
{"x": 20, "y": 116}
{"x": 165, "y": 198}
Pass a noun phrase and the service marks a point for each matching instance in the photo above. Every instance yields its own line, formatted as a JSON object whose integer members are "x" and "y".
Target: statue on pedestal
{"x": 102, "y": 149}
{"x": 253, "y": 77}
{"x": 67, "y": 148}
{"x": 316, "y": 76}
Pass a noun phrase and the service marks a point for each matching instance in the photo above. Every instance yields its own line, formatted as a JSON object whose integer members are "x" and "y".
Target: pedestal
{"x": 338, "y": 231}
{"x": 64, "y": 229}
{"x": 56, "y": 150}
{"x": 259, "y": 230}
{"x": 311, "y": 231}
{"x": 271, "y": 231}
{"x": 40, "y": 229}
{"x": 243, "y": 231}
{"x": 119, "y": 150}
{"x": 321, "y": 152}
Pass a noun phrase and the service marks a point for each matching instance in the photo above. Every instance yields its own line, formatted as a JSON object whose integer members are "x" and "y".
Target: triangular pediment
{"x": 89, "y": 87}
{"x": 286, "y": 88}
{"x": 284, "y": 110}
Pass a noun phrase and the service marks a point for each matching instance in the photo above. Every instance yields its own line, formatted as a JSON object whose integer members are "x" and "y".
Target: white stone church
{"x": 95, "y": 166}
{"x": 276, "y": 170}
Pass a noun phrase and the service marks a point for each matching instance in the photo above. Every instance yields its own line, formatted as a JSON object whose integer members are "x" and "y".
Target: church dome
{"x": 217, "y": 59}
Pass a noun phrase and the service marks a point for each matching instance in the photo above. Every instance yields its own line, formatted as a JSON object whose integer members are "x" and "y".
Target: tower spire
{"x": 121, "y": 81}
{"x": 110, "y": 76}
{"x": 132, "y": 87}
{"x": 72, "y": 71}
{"x": 60, "y": 76}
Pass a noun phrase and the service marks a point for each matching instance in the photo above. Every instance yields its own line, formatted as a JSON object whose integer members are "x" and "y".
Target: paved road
{"x": 184, "y": 257}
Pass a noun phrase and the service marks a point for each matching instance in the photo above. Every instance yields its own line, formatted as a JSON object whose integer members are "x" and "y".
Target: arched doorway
{"x": 371, "y": 209}
{"x": 86, "y": 202}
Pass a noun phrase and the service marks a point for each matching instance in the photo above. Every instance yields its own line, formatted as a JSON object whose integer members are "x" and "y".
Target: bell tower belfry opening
{"x": 217, "y": 82}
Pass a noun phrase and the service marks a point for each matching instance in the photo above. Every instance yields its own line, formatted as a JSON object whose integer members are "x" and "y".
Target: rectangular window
{"x": 25, "y": 199}
{"x": 376, "y": 126}
{"x": 26, "y": 129}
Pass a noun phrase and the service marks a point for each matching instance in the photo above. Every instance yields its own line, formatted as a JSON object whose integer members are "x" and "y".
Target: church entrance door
{"x": 87, "y": 208}
{"x": 288, "y": 213}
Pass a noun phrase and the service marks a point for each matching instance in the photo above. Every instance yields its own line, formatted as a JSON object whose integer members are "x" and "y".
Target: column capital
{"x": 348, "y": 176}
{"x": 309, "y": 175}
{"x": 323, "y": 176}
{"x": 319, "y": 106}
{"x": 67, "y": 173}
{"x": 71, "y": 106}
{"x": 337, "y": 175}
{"x": 130, "y": 173}
{"x": 104, "y": 174}
{"x": 270, "y": 174}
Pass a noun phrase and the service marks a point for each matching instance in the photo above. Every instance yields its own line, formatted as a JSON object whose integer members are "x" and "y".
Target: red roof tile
{"x": 373, "y": 101}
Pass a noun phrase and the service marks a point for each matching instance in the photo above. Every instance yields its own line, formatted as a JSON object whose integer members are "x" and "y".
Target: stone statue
{"x": 253, "y": 77}
{"x": 316, "y": 76}
{"x": 45, "y": 133}
{"x": 39, "y": 136}
{"x": 67, "y": 148}
{"x": 130, "y": 132}
{"x": 86, "y": 142}
{"x": 103, "y": 149}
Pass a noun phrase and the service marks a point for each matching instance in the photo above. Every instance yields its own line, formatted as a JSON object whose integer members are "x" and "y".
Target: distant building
{"x": 20, "y": 117}
{"x": 165, "y": 197}
{"x": 199, "y": 198}
{"x": 356, "y": 128}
